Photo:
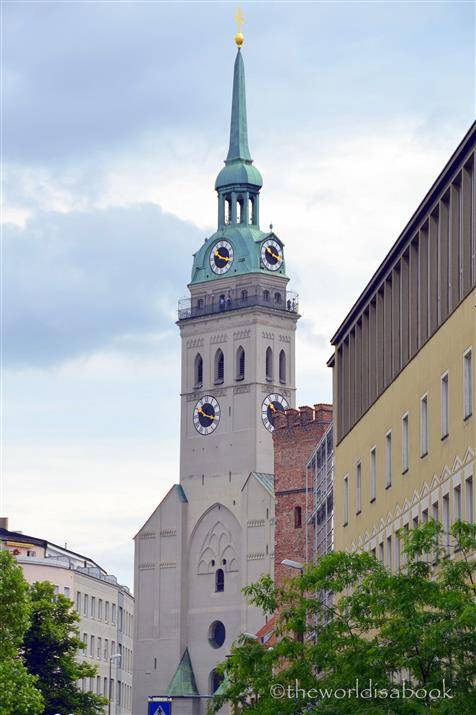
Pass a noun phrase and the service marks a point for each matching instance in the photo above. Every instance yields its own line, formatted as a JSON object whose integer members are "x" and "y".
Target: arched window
{"x": 198, "y": 370}
{"x": 219, "y": 367}
{"x": 219, "y": 580}
{"x": 227, "y": 210}
{"x": 216, "y": 679}
{"x": 282, "y": 367}
{"x": 266, "y": 295}
{"x": 277, "y": 297}
{"x": 244, "y": 295}
{"x": 240, "y": 215}
{"x": 252, "y": 210}
{"x": 269, "y": 364}
{"x": 222, "y": 302}
{"x": 240, "y": 363}
{"x": 297, "y": 517}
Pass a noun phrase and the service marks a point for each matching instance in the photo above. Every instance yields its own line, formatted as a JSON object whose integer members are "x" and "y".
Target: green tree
{"x": 348, "y": 619}
{"x": 18, "y": 691}
{"x": 51, "y": 650}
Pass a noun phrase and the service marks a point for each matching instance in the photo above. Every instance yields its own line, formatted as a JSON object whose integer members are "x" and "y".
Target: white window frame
{"x": 467, "y": 383}
{"x": 445, "y": 404}
{"x": 373, "y": 473}
{"x": 388, "y": 459}
{"x": 405, "y": 443}
{"x": 358, "y": 487}
{"x": 424, "y": 432}
{"x": 346, "y": 499}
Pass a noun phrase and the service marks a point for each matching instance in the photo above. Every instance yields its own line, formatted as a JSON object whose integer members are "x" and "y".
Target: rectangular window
{"x": 78, "y": 601}
{"x": 106, "y": 611}
{"x": 100, "y": 609}
{"x": 358, "y": 489}
{"x": 99, "y": 648}
{"x": 374, "y": 553}
{"x": 373, "y": 474}
{"x": 120, "y": 625}
{"x": 444, "y": 406}
{"x": 113, "y": 614}
{"x": 93, "y": 607}
{"x": 468, "y": 384}
{"x": 424, "y": 425}
{"x": 91, "y": 647}
{"x": 105, "y": 693}
{"x": 85, "y": 639}
{"x": 346, "y": 499}
{"x": 446, "y": 521}
{"x": 380, "y": 552}
{"x": 424, "y": 520}
{"x": 405, "y": 444}
{"x": 67, "y": 591}
{"x": 98, "y": 685}
{"x": 457, "y": 503}
{"x": 469, "y": 500}
{"x": 85, "y": 604}
{"x": 397, "y": 552}
{"x": 389, "y": 552}
{"x": 388, "y": 459}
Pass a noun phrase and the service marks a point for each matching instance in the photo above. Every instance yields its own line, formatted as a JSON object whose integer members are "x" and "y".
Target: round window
{"x": 216, "y": 634}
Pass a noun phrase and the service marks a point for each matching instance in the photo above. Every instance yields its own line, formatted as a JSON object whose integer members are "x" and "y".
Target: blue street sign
{"x": 160, "y": 707}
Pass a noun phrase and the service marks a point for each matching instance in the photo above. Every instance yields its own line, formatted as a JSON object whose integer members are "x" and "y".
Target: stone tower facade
{"x": 213, "y": 533}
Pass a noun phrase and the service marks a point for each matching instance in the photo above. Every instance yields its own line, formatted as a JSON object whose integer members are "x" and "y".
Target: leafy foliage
{"x": 18, "y": 691}
{"x": 348, "y": 621}
{"x": 51, "y": 647}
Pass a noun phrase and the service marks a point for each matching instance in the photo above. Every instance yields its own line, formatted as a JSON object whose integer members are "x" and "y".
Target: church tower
{"x": 213, "y": 533}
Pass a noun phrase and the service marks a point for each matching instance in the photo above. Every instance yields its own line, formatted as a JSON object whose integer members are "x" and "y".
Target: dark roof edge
{"x": 26, "y": 539}
{"x": 465, "y": 144}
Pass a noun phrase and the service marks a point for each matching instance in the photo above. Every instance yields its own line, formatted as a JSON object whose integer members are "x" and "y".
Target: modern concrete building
{"x": 403, "y": 374}
{"x": 213, "y": 533}
{"x": 106, "y": 610}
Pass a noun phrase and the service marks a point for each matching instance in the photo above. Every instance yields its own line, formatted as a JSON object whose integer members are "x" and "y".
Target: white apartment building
{"x": 105, "y": 607}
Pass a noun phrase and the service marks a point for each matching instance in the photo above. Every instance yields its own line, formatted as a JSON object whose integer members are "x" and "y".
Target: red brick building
{"x": 295, "y": 437}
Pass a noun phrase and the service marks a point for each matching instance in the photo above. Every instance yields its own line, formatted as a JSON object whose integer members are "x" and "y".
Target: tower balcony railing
{"x": 197, "y": 307}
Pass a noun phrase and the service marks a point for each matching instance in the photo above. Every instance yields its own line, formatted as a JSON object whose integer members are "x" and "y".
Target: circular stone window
{"x": 216, "y": 634}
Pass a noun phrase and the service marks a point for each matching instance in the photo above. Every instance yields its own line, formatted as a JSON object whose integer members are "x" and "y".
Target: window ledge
{"x": 358, "y": 512}
{"x": 405, "y": 471}
{"x": 269, "y": 379}
{"x": 425, "y": 454}
{"x": 373, "y": 500}
{"x": 445, "y": 436}
{"x": 388, "y": 486}
{"x": 467, "y": 417}
{"x": 240, "y": 379}
{"x": 346, "y": 523}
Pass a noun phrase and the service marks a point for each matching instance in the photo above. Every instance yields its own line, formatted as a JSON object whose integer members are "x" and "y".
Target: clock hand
{"x": 201, "y": 412}
{"x": 217, "y": 254}
{"x": 273, "y": 408}
{"x": 273, "y": 254}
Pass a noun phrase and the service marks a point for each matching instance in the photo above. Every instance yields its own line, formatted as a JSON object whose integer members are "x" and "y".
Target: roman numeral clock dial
{"x": 206, "y": 415}
{"x": 272, "y": 404}
{"x": 221, "y": 257}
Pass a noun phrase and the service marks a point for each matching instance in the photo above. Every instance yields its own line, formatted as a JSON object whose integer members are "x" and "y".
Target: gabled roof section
{"x": 183, "y": 683}
{"x": 266, "y": 481}
{"x": 181, "y": 497}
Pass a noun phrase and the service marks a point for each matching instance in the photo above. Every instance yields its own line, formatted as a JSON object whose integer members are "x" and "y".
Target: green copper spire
{"x": 239, "y": 127}
{"x": 183, "y": 683}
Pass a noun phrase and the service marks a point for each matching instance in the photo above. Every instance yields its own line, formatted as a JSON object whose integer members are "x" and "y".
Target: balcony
{"x": 285, "y": 301}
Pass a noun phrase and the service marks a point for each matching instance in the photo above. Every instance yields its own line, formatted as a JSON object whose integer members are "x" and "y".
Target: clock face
{"x": 272, "y": 404}
{"x": 272, "y": 255}
{"x": 221, "y": 257}
{"x": 206, "y": 415}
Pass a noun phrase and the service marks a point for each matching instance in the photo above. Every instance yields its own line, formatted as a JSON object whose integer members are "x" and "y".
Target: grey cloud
{"x": 79, "y": 282}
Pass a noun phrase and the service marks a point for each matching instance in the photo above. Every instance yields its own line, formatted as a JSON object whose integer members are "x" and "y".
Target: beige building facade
{"x": 106, "y": 611}
{"x": 403, "y": 376}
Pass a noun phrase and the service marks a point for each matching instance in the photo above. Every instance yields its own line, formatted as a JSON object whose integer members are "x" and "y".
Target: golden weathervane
{"x": 239, "y": 19}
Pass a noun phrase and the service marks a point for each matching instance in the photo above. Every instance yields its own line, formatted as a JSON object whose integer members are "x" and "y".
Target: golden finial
{"x": 239, "y": 19}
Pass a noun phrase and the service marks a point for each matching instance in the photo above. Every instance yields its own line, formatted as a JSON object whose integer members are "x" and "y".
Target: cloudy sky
{"x": 116, "y": 122}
